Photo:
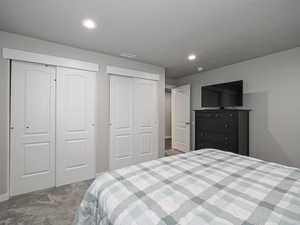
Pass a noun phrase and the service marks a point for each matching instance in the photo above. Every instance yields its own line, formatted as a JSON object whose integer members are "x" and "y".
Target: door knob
{"x": 187, "y": 123}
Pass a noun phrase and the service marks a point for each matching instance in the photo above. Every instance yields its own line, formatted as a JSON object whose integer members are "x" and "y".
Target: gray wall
{"x": 168, "y": 115}
{"x": 170, "y": 81}
{"x": 8, "y": 40}
{"x": 271, "y": 90}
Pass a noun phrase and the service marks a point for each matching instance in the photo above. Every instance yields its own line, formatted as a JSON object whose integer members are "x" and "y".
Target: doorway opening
{"x": 177, "y": 119}
{"x": 168, "y": 121}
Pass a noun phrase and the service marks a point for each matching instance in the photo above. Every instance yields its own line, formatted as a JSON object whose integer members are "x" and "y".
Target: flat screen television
{"x": 223, "y": 95}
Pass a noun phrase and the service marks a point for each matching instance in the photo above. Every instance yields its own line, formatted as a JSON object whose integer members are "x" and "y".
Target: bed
{"x": 202, "y": 187}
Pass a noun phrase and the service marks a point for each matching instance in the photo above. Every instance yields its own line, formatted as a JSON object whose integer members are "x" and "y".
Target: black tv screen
{"x": 223, "y": 95}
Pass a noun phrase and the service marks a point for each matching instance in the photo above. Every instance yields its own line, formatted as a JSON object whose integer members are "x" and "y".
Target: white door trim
{"x": 26, "y": 56}
{"x": 7, "y": 194}
{"x": 131, "y": 73}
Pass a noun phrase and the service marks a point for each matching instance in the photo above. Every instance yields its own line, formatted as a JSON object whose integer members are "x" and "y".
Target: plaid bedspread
{"x": 202, "y": 187}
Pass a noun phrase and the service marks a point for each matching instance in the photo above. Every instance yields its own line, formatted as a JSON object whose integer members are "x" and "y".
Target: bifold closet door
{"x": 121, "y": 122}
{"x": 134, "y": 121}
{"x": 145, "y": 120}
{"x": 32, "y": 127}
{"x": 75, "y": 148}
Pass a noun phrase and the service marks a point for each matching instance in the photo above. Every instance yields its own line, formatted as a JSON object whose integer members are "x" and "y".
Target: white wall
{"x": 271, "y": 90}
{"x": 8, "y": 40}
{"x": 168, "y": 114}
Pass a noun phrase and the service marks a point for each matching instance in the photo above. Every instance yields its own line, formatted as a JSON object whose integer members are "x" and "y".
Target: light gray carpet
{"x": 55, "y": 206}
{"x": 168, "y": 143}
{"x": 171, "y": 152}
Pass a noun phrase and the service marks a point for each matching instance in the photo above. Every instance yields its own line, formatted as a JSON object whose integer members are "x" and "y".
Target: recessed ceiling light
{"x": 128, "y": 55}
{"x": 192, "y": 57}
{"x": 200, "y": 68}
{"x": 89, "y": 24}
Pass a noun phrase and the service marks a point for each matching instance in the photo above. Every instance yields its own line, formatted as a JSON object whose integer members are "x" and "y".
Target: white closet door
{"x": 134, "y": 121}
{"x": 75, "y": 152}
{"x": 32, "y": 127}
{"x": 145, "y": 120}
{"x": 121, "y": 118}
{"x": 181, "y": 118}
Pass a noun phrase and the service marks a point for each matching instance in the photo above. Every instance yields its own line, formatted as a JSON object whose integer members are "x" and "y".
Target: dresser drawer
{"x": 218, "y": 125}
{"x": 217, "y": 138}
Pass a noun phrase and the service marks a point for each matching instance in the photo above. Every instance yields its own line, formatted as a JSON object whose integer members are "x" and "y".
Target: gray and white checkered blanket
{"x": 201, "y": 187}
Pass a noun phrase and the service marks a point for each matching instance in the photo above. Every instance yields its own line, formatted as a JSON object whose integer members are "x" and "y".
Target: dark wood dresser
{"x": 227, "y": 130}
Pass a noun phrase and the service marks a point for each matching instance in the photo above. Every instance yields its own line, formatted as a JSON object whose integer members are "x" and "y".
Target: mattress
{"x": 201, "y": 187}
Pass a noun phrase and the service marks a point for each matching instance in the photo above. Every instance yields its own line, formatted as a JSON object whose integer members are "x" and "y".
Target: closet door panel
{"x": 145, "y": 120}
{"x": 37, "y": 107}
{"x": 75, "y": 126}
{"x": 121, "y": 118}
{"x": 33, "y": 127}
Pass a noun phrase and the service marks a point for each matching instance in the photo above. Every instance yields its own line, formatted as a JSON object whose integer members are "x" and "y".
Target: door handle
{"x": 187, "y": 123}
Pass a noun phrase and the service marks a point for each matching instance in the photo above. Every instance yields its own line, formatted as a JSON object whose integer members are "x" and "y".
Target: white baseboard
{"x": 99, "y": 174}
{"x": 4, "y": 197}
{"x": 161, "y": 154}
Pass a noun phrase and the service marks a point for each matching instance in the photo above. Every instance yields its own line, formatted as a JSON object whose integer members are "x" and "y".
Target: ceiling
{"x": 162, "y": 32}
